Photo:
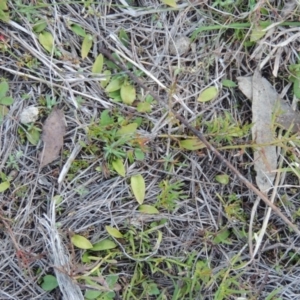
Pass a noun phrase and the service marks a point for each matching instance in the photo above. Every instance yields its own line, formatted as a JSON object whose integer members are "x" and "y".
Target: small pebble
{"x": 29, "y": 115}
{"x": 180, "y": 45}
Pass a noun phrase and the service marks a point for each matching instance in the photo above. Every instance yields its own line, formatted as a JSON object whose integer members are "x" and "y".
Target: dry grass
{"x": 35, "y": 235}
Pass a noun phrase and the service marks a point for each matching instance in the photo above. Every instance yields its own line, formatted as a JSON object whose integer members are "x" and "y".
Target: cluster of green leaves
{"x": 76, "y": 166}
{"x": 170, "y": 195}
{"x": 120, "y": 88}
{"x": 100, "y": 260}
{"x": 117, "y": 137}
{"x": 30, "y": 133}
{"x": 137, "y": 243}
{"x": 233, "y": 208}
{"x": 224, "y": 129}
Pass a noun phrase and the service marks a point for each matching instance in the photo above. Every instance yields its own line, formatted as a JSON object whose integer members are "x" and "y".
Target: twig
{"x": 205, "y": 142}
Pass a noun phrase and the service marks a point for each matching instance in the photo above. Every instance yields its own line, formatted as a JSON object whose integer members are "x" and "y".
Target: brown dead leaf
{"x": 286, "y": 117}
{"x": 265, "y": 157}
{"x": 53, "y": 132}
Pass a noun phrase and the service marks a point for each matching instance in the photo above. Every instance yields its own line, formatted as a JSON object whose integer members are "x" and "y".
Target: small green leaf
{"x": 128, "y": 93}
{"x": 85, "y": 258}
{"x": 49, "y": 283}
{"x": 3, "y": 112}
{"x": 46, "y": 40}
{"x": 4, "y": 14}
{"x": 139, "y": 154}
{"x": 114, "y": 232}
{"x": 103, "y": 245}
{"x": 148, "y": 209}
{"x": 98, "y": 64}
{"x": 114, "y": 85}
{"x": 257, "y": 33}
{"x": 138, "y": 187}
{"x": 6, "y": 101}
{"x": 191, "y": 144}
{"x": 86, "y": 46}
{"x": 3, "y": 5}
{"x": 208, "y": 94}
{"x": 115, "y": 96}
{"x": 33, "y": 135}
{"x": 127, "y": 129}
{"x": 124, "y": 38}
{"x": 4, "y": 186}
{"x": 81, "y": 242}
{"x": 107, "y": 75}
{"x": 119, "y": 167}
{"x": 92, "y": 294}
{"x": 144, "y": 107}
{"x": 221, "y": 237}
{"x": 229, "y": 83}
{"x": 171, "y": 3}
{"x": 223, "y": 179}
{"x": 111, "y": 280}
{"x": 159, "y": 239}
{"x": 78, "y": 30}
{"x": 296, "y": 88}
{"x": 153, "y": 289}
{"x": 105, "y": 118}
{"x": 39, "y": 26}
{"x": 3, "y": 88}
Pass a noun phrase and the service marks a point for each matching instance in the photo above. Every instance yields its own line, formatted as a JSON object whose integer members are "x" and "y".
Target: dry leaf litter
{"x": 35, "y": 239}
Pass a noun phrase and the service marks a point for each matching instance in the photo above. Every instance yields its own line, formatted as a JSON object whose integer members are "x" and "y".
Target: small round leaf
{"x": 3, "y": 88}
{"x": 49, "y": 283}
{"x": 114, "y": 85}
{"x": 4, "y": 186}
{"x": 128, "y": 93}
{"x": 81, "y": 242}
{"x": 191, "y": 144}
{"x": 148, "y": 209}
{"x": 98, "y": 64}
{"x": 119, "y": 167}
{"x": 138, "y": 187}
{"x": 229, "y": 83}
{"x": 114, "y": 232}
{"x": 223, "y": 179}
{"x": 104, "y": 245}
{"x": 86, "y": 46}
{"x": 208, "y": 94}
{"x": 46, "y": 40}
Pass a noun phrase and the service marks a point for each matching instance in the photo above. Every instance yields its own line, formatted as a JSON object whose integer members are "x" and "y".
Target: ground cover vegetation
{"x": 104, "y": 193}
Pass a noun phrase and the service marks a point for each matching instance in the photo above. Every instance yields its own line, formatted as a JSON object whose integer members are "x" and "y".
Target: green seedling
{"x": 120, "y": 88}
{"x": 226, "y": 129}
{"x": 233, "y": 207}
{"x": 30, "y": 132}
{"x": 76, "y": 167}
{"x": 4, "y": 13}
{"x": 124, "y": 38}
{"x": 13, "y": 159}
{"x": 49, "y": 283}
{"x": 50, "y": 102}
{"x": 4, "y": 100}
{"x": 117, "y": 138}
{"x": 295, "y": 78}
{"x": 46, "y": 40}
{"x": 5, "y": 182}
{"x": 171, "y": 194}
